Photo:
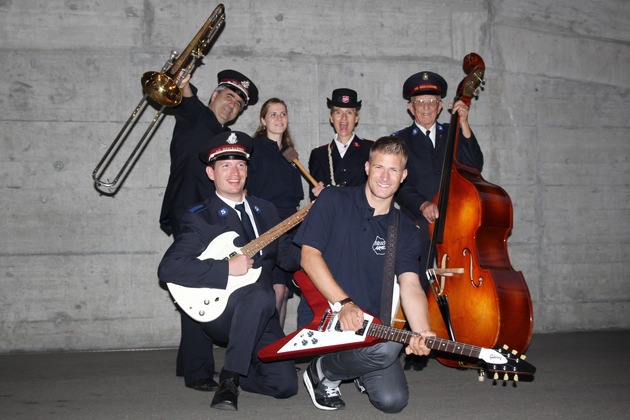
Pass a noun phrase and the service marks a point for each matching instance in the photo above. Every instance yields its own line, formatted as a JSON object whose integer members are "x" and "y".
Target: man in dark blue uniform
{"x": 250, "y": 320}
{"x": 344, "y": 243}
{"x": 347, "y": 153}
{"x": 188, "y": 184}
{"x": 424, "y": 92}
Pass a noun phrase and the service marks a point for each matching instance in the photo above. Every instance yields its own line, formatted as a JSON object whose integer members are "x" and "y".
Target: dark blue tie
{"x": 247, "y": 223}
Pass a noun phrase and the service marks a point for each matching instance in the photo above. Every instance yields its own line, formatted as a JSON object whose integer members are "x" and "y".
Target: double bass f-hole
{"x": 479, "y": 281}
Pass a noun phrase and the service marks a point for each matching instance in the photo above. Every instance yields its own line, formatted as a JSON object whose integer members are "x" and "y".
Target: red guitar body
{"x": 320, "y": 336}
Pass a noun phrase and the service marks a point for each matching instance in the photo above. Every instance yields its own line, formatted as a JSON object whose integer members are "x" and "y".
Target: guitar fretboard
{"x": 275, "y": 232}
{"x": 434, "y": 343}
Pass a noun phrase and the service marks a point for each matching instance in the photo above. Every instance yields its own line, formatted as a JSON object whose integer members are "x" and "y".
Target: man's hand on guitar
{"x": 351, "y": 317}
{"x": 417, "y": 346}
{"x": 239, "y": 265}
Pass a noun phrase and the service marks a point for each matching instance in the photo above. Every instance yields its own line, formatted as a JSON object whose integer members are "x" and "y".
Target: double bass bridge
{"x": 443, "y": 272}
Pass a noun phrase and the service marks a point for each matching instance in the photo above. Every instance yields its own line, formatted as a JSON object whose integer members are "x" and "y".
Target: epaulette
{"x": 196, "y": 209}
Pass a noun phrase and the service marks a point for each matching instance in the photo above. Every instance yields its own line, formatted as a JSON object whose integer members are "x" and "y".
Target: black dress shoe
{"x": 226, "y": 397}
{"x": 205, "y": 385}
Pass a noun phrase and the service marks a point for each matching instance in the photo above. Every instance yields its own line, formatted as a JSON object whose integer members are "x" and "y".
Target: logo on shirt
{"x": 223, "y": 212}
{"x": 379, "y": 246}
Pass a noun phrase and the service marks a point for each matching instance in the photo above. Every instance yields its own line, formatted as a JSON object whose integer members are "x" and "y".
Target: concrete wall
{"x": 79, "y": 268}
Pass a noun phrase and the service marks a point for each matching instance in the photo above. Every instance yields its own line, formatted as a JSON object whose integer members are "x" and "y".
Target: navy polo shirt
{"x": 342, "y": 226}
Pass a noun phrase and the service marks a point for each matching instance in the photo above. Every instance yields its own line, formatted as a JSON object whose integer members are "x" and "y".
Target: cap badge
{"x": 245, "y": 84}
{"x": 425, "y": 76}
{"x": 345, "y": 99}
{"x": 232, "y": 139}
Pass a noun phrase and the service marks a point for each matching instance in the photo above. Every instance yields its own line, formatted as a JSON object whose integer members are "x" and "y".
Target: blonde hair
{"x": 390, "y": 145}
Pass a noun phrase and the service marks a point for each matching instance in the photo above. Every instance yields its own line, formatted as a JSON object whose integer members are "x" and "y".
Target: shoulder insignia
{"x": 196, "y": 209}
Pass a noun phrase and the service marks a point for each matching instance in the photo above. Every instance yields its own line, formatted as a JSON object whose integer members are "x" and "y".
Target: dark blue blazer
{"x": 188, "y": 183}
{"x": 205, "y": 222}
{"x": 349, "y": 171}
{"x": 424, "y": 168}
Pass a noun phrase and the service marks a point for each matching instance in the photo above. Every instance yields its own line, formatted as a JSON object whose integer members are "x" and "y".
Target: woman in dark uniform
{"x": 341, "y": 163}
{"x": 273, "y": 178}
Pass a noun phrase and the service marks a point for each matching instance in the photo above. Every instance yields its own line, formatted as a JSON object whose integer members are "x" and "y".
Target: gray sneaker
{"x": 324, "y": 397}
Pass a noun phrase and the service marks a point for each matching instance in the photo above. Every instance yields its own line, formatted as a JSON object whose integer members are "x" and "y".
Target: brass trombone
{"x": 163, "y": 89}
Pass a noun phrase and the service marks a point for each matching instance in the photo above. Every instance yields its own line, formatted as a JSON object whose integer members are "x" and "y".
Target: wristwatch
{"x": 338, "y": 305}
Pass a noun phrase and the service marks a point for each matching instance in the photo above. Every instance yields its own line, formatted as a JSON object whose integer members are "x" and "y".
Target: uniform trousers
{"x": 249, "y": 323}
{"x": 195, "y": 360}
{"x": 379, "y": 370}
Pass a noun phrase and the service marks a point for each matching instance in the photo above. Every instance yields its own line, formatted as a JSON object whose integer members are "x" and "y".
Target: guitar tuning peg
{"x": 505, "y": 347}
{"x": 523, "y": 357}
{"x": 482, "y": 376}
{"x": 506, "y": 377}
{"x": 516, "y": 377}
{"x": 514, "y": 352}
{"x": 496, "y": 376}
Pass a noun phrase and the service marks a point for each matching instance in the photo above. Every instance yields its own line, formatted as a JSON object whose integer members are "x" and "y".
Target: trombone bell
{"x": 161, "y": 87}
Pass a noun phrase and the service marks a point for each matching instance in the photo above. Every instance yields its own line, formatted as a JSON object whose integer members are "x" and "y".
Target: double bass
{"x": 478, "y": 297}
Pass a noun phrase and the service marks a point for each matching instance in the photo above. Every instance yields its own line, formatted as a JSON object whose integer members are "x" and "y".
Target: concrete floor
{"x": 579, "y": 376}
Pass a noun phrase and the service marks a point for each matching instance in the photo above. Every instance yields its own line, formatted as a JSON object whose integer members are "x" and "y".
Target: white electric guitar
{"x": 205, "y": 304}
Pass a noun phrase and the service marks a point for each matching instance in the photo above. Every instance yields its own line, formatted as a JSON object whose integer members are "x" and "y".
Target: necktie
{"x": 247, "y": 223}
{"x": 427, "y": 133}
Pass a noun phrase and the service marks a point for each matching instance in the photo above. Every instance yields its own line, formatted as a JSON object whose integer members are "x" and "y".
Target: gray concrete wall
{"x": 79, "y": 268}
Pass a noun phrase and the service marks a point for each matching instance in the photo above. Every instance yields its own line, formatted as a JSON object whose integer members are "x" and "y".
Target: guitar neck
{"x": 275, "y": 232}
{"x": 434, "y": 343}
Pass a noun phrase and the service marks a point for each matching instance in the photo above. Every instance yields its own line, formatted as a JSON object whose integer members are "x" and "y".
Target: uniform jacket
{"x": 424, "y": 168}
{"x": 271, "y": 177}
{"x": 201, "y": 225}
{"x": 188, "y": 183}
{"x": 349, "y": 171}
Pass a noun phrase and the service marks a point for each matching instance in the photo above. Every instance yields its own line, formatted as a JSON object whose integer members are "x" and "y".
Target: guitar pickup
{"x": 360, "y": 331}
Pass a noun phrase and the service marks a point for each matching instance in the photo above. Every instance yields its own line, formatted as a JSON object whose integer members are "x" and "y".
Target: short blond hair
{"x": 390, "y": 145}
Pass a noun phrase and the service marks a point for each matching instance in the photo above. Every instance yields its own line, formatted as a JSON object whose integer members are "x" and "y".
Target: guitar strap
{"x": 389, "y": 271}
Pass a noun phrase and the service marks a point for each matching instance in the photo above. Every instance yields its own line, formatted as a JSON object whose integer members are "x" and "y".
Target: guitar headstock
{"x": 503, "y": 364}
{"x": 470, "y": 87}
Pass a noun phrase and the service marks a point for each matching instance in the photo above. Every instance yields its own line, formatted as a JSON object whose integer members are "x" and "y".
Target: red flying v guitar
{"x": 323, "y": 335}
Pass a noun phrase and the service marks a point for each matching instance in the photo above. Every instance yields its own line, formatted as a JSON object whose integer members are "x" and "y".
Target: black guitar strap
{"x": 389, "y": 271}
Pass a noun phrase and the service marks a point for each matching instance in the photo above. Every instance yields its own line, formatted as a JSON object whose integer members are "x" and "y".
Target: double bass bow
{"x": 486, "y": 302}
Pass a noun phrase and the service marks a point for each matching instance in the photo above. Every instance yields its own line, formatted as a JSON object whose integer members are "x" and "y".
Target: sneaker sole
{"x": 311, "y": 392}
